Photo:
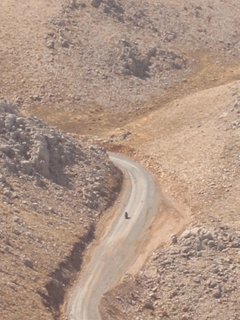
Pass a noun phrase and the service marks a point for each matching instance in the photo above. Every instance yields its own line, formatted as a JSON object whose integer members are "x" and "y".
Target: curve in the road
{"x": 117, "y": 250}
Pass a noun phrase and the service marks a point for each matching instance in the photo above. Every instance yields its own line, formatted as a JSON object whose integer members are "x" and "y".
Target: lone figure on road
{"x": 126, "y": 215}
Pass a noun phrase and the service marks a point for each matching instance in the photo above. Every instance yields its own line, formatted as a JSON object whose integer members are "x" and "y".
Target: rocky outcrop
{"x": 30, "y": 147}
{"x": 53, "y": 189}
{"x": 197, "y": 277}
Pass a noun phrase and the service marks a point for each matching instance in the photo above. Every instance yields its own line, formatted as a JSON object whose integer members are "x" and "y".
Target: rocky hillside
{"x": 91, "y": 59}
{"x": 99, "y": 67}
{"x": 52, "y": 191}
{"x": 139, "y": 48}
{"x": 192, "y": 145}
{"x": 196, "y": 278}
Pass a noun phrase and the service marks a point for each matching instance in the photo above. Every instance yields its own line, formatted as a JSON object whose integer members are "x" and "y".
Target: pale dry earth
{"x": 193, "y": 146}
{"x": 157, "y": 81}
{"x": 90, "y": 62}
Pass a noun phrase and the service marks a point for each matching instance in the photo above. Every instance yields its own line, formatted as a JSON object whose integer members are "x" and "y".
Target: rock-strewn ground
{"x": 195, "y": 278}
{"x": 52, "y": 191}
{"x": 89, "y": 60}
{"x": 192, "y": 145}
{"x": 88, "y": 66}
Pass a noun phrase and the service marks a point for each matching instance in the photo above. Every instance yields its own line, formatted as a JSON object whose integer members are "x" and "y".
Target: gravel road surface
{"x": 118, "y": 248}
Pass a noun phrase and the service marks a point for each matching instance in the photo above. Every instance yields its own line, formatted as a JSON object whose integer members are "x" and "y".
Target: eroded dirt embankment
{"x": 54, "y": 294}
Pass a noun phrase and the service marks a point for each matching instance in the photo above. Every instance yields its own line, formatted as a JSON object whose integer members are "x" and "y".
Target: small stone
{"x": 185, "y": 309}
{"x": 36, "y": 98}
{"x": 235, "y": 244}
{"x": 28, "y": 263}
{"x": 174, "y": 239}
{"x": 211, "y": 244}
{"x": 217, "y": 294}
{"x": 149, "y": 305}
{"x": 96, "y": 3}
{"x": 187, "y": 234}
{"x": 64, "y": 43}
{"x": 211, "y": 284}
{"x": 50, "y": 44}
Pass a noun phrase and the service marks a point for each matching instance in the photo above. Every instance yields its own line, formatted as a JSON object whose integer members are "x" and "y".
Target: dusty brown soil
{"x": 192, "y": 144}
{"x": 157, "y": 81}
{"x": 92, "y": 63}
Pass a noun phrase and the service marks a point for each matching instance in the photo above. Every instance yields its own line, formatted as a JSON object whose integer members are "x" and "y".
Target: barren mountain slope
{"x": 52, "y": 191}
{"x": 100, "y": 67}
{"x": 192, "y": 145}
{"x": 91, "y": 59}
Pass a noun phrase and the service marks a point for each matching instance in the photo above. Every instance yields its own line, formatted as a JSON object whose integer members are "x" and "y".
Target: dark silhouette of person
{"x": 126, "y": 215}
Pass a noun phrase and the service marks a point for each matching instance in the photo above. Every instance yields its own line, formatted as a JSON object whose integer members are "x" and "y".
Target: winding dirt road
{"x": 118, "y": 249}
